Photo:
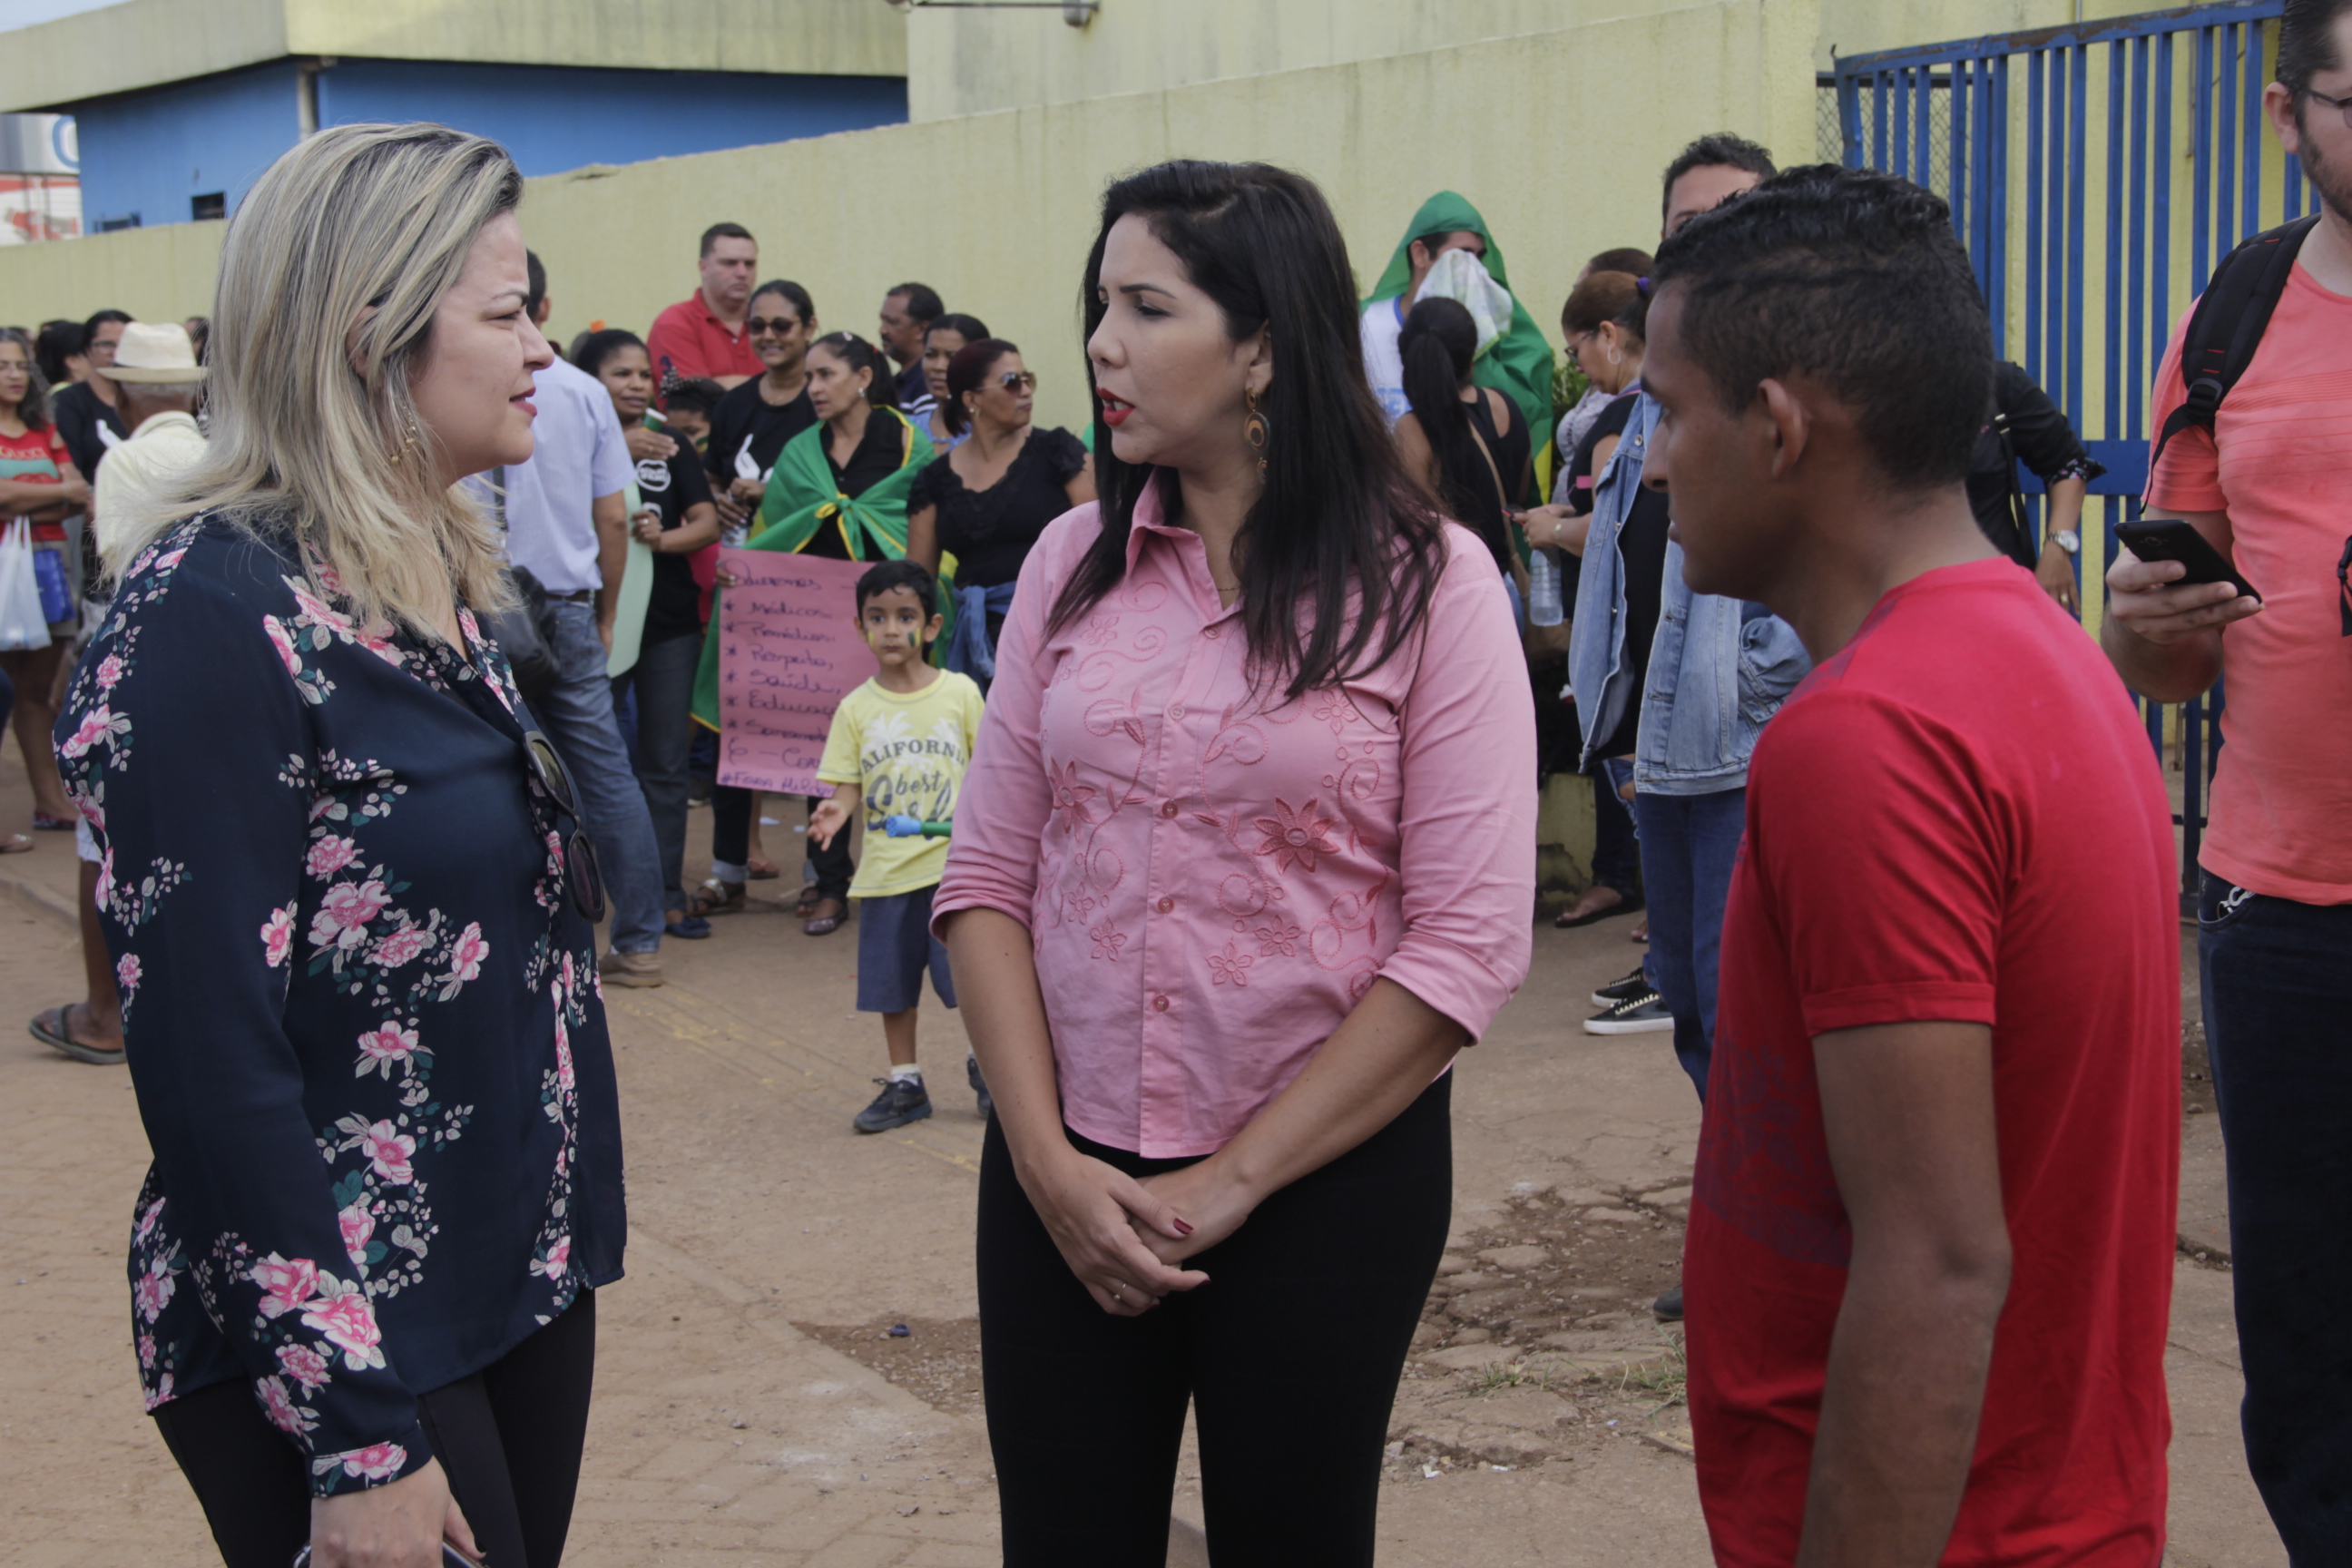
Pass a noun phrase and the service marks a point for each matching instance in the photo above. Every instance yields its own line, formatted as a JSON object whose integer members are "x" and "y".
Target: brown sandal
{"x": 716, "y": 897}
{"x": 821, "y": 924}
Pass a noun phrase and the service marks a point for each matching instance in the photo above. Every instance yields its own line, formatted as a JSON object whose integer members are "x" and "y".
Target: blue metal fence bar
{"x": 2149, "y": 24}
{"x": 2121, "y": 241}
{"x": 2225, "y": 142}
{"x": 2135, "y": 369}
{"x": 2077, "y": 195}
{"x": 2034, "y": 182}
{"x": 2201, "y": 120}
{"x": 1995, "y": 199}
{"x": 2249, "y": 222}
{"x": 1923, "y": 141}
{"x": 1955, "y": 157}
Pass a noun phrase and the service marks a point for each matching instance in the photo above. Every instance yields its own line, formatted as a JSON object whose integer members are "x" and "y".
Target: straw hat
{"x": 155, "y": 355}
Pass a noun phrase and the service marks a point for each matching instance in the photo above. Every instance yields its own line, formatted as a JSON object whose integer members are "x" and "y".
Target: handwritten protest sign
{"x": 788, "y": 653}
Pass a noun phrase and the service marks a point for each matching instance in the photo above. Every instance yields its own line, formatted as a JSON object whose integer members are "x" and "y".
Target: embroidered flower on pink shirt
{"x": 1278, "y": 939}
{"x": 304, "y": 1365}
{"x": 286, "y": 1283}
{"x": 1295, "y": 836}
{"x": 278, "y": 935}
{"x": 1230, "y": 966}
{"x": 1108, "y": 940}
{"x": 1070, "y": 798}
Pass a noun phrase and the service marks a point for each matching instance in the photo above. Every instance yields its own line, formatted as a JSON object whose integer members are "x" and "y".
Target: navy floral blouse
{"x": 364, "y": 1018}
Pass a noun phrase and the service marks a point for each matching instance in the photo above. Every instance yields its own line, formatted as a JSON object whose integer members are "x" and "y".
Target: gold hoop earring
{"x": 1255, "y": 430}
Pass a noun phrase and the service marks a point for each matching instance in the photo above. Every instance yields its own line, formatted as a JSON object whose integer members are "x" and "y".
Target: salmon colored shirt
{"x": 2282, "y": 814}
{"x": 1214, "y": 876}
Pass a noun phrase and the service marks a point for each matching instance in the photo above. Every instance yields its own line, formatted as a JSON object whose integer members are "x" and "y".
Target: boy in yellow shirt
{"x": 899, "y": 747}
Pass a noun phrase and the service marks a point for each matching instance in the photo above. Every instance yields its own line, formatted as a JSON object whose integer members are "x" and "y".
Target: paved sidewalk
{"x": 722, "y": 1433}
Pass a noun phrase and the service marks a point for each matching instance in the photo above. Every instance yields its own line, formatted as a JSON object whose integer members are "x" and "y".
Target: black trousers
{"x": 1290, "y": 1354}
{"x": 510, "y": 1437}
{"x": 730, "y": 841}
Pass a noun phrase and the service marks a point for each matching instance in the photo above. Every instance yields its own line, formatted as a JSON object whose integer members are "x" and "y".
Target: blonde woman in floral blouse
{"x": 1246, "y": 854}
{"x": 348, "y": 900}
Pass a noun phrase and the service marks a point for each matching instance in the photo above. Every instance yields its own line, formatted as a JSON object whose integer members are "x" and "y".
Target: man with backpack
{"x": 2253, "y": 410}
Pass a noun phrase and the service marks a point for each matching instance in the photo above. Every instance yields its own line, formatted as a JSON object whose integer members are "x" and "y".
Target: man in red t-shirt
{"x": 2271, "y": 484}
{"x": 1931, "y": 1244}
{"x": 704, "y": 335}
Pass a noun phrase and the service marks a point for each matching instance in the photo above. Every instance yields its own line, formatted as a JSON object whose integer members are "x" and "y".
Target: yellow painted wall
{"x": 997, "y": 211}
{"x": 143, "y": 43}
{"x": 971, "y": 62}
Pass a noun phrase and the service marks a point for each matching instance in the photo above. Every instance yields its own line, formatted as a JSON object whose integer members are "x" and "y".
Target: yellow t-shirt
{"x": 908, "y": 751}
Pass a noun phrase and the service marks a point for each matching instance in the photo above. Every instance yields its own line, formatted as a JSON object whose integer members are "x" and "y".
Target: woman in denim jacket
{"x": 1717, "y": 669}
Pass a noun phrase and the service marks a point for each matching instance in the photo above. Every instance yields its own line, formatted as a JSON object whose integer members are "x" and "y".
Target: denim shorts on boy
{"x": 893, "y": 945}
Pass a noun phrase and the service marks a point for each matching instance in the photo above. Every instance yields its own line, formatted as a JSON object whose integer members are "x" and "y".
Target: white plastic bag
{"x": 22, "y": 625}
{"x": 1462, "y": 277}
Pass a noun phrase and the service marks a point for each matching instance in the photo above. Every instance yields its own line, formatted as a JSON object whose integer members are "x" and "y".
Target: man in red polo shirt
{"x": 704, "y": 335}
{"x": 1932, "y": 1237}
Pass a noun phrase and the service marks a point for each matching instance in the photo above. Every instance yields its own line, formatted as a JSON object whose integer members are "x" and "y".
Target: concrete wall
{"x": 145, "y": 43}
{"x": 971, "y": 62}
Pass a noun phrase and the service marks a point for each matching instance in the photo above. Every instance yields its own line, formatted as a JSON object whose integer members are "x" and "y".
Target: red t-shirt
{"x": 696, "y": 342}
{"x": 1956, "y": 818}
{"x": 2283, "y": 789}
{"x": 36, "y": 457}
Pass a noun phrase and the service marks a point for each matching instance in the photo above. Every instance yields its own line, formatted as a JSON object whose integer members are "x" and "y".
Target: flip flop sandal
{"x": 49, "y": 1028}
{"x": 825, "y": 925}
{"x": 14, "y": 843}
{"x": 805, "y": 909}
{"x": 763, "y": 871}
{"x": 715, "y": 897}
{"x": 44, "y": 823}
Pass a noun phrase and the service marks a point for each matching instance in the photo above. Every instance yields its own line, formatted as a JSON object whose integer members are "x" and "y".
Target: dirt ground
{"x": 754, "y": 1406}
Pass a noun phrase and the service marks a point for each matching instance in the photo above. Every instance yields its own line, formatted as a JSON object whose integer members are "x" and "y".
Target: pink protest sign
{"x": 789, "y": 652}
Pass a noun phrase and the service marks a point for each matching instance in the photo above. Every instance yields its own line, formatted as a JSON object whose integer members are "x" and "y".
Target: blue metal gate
{"x": 2094, "y": 217}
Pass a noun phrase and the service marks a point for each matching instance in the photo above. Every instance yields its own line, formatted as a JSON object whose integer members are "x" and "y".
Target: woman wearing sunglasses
{"x": 986, "y": 501}
{"x": 349, "y": 899}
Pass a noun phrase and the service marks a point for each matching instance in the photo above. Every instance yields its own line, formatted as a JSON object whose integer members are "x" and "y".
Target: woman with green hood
{"x": 838, "y": 489}
{"x": 1518, "y": 363}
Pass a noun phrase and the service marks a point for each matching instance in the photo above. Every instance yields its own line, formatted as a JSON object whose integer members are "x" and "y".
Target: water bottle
{"x": 1543, "y": 590}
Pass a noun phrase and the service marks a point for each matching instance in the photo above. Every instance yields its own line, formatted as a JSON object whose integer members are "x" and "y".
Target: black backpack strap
{"x": 2228, "y": 324}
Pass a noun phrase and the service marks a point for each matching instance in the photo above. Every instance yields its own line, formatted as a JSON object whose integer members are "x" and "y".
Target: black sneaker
{"x": 1635, "y": 984}
{"x": 1639, "y": 1015}
{"x": 901, "y": 1100}
{"x": 979, "y": 1086}
{"x": 1668, "y": 1307}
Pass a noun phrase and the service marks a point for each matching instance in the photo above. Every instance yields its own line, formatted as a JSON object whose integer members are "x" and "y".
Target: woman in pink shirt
{"x": 1246, "y": 855}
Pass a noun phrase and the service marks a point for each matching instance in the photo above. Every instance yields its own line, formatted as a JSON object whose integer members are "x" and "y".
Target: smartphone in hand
{"x": 2174, "y": 539}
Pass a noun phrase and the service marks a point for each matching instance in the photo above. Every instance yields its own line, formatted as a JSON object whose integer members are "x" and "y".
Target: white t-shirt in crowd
{"x": 1382, "y": 363}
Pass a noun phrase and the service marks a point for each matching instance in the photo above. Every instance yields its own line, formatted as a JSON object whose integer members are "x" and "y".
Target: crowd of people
{"x": 1200, "y": 770}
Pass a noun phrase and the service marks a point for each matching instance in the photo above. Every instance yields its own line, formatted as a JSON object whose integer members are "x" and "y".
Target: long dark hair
{"x": 1337, "y": 518}
{"x": 858, "y": 354}
{"x": 1439, "y": 341}
{"x": 966, "y": 372}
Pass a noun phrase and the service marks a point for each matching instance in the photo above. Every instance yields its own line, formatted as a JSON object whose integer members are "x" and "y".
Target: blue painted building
{"x": 189, "y": 150}
{"x": 181, "y": 104}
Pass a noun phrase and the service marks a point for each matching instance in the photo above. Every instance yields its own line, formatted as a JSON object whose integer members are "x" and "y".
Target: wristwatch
{"x": 2067, "y": 539}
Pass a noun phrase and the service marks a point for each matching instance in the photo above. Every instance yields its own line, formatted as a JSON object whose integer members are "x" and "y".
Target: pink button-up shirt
{"x": 1212, "y": 877}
